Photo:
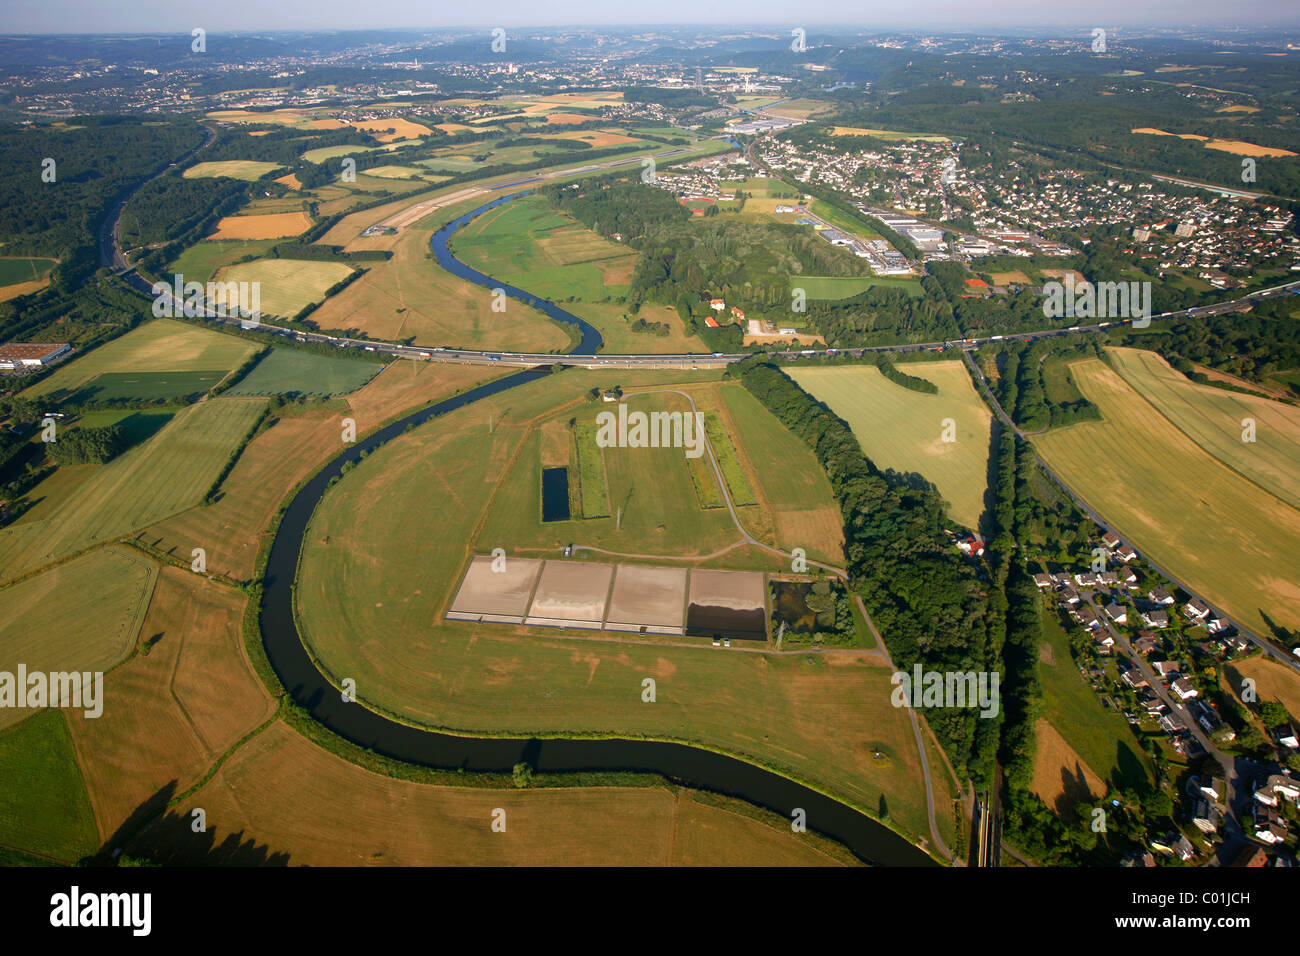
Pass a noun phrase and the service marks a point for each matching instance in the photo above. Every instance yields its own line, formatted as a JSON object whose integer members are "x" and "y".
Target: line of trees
{"x": 928, "y": 603}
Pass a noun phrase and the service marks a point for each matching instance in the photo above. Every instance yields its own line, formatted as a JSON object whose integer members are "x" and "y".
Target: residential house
{"x": 1116, "y": 613}
{"x": 1212, "y": 788}
{"x": 1206, "y": 817}
{"x": 1161, "y": 597}
{"x": 1146, "y": 642}
{"x": 1183, "y": 688}
{"x": 1155, "y": 618}
{"x": 1195, "y": 609}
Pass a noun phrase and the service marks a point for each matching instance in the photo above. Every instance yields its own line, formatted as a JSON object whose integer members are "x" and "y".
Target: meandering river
{"x": 693, "y": 766}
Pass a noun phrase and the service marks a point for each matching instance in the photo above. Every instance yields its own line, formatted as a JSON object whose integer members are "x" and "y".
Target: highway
{"x": 675, "y": 360}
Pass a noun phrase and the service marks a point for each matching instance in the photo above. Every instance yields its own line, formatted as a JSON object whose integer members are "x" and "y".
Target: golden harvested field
{"x": 164, "y": 475}
{"x": 1152, "y": 131}
{"x": 328, "y": 124}
{"x": 1234, "y": 146}
{"x": 395, "y": 172}
{"x": 244, "y": 169}
{"x": 293, "y": 798}
{"x": 170, "y": 713}
{"x": 1061, "y": 778}
{"x": 452, "y": 128}
{"x": 287, "y": 285}
{"x": 1273, "y": 681}
{"x": 391, "y": 130}
{"x": 597, "y": 138}
{"x": 1010, "y": 278}
{"x": 1240, "y": 148}
{"x": 79, "y": 616}
{"x": 1237, "y": 109}
{"x": 567, "y": 119}
{"x": 233, "y": 529}
{"x": 271, "y": 226}
{"x": 903, "y": 429}
{"x": 1227, "y": 538}
{"x": 14, "y": 290}
{"x": 1212, "y": 417}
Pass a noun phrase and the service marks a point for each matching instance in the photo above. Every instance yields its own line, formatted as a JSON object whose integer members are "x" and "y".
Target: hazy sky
{"x": 165, "y": 16}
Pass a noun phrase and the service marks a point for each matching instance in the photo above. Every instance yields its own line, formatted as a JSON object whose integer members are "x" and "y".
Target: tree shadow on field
{"x": 1074, "y": 790}
{"x": 155, "y": 836}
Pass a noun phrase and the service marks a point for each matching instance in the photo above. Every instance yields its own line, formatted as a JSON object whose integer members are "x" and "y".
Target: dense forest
{"x": 96, "y": 161}
{"x": 1023, "y": 390}
{"x": 167, "y": 207}
{"x": 684, "y": 263}
{"x": 81, "y": 446}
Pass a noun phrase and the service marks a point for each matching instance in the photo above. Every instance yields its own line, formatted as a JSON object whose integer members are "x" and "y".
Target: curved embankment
{"x": 694, "y": 766}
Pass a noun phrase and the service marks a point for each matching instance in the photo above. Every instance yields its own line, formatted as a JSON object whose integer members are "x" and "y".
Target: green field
{"x": 728, "y": 461}
{"x": 288, "y": 285}
{"x": 1230, "y": 540}
{"x": 244, "y": 169}
{"x": 44, "y": 807}
{"x": 200, "y": 262}
{"x": 287, "y": 371}
{"x": 528, "y": 244}
{"x": 844, "y": 287}
{"x": 904, "y": 429}
{"x": 159, "y": 358}
{"x": 1101, "y": 737}
{"x": 16, "y": 269}
{"x": 323, "y": 153}
{"x": 653, "y": 507}
{"x": 1213, "y": 418}
{"x": 797, "y": 491}
{"x": 168, "y": 473}
{"x": 1057, "y": 381}
{"x": 138, "y": 425}
{"x": 148, "y": 386}
{"x": 591, "y": 471}
{"x": 81, "y": 616}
